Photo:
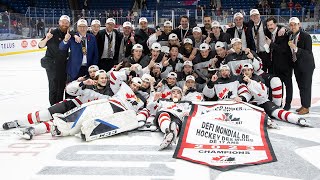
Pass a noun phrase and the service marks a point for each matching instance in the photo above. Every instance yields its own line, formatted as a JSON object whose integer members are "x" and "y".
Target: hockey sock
{"x": 42, "y": 128}
{"x": 284, "y": 115}
{"x": 276, "y": 87}
{"x": 164, "y": 121}
{"x": 38, "y": 116}
{"x": 143, "y": 115}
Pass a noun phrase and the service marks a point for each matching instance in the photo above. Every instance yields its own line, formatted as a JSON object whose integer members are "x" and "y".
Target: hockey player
{"x": 161, "y": 37}
{"x": 260, "y": 97}
{"x": 191, "y": 90}
{"x": 91, "y": 71}
{"x": 126, "y": 98}
{"x": 170, "y": 114}
{"x": 171, "y": 62}
{"x": 137, "y": 55}
{"x": 41, "y": 119}
{"x": 156, "y": 55}
{"x": 165, "y": 86}
{"x": 147, "y": 82}
{"x": 197, "y": 37}
{"x": 226, "y": 87}
{"x": 236, "y": 60}
{"x": 217, "y": 35}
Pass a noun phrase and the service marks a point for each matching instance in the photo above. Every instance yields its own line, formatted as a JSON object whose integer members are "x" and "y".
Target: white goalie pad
{"x": 70, "y": 122}
{"x": 109, "y": 125}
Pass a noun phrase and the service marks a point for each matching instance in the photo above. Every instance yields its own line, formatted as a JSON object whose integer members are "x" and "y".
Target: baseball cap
{"x": 196, "y": 29}
{"x": 254, "y": 11}
{"x": 82, "y": 22}
{"x": 294, "y": 20}
{"x": 187, "y": 40}
{"x": 65, "y": 17}
{"x": 111, "y": 20}
{"x": 215, "y": 24}
{"x": 95, "y": 67}
{"x": 127, "y": 24}
{"x": 238, "y": 14}
{"x": 156, "y": 46}
{"x": 143, "y": 19}
{"x": 225, "y": 66}
{"x": 190, "y": 77}
{"x": 137, "y": 80}
{"x": 137, "y": 46}
{"x": 188, "y": 63}
{"x": 176, "y": 88}
{"x": 203, "y": 46}
{"x": 167, "y": 23}
{"x": 100, "y": 72}
{"x": 93, "y": 22}
{"x": 235, "y": 40}
{"x": 247, "y": 66}
{"x": 173, "y": 36}
{"x": 158, "y": 65}
{"x": 146, "y": 77}
{"x": 219, "y": 44}
{"x": 172, "y": 75}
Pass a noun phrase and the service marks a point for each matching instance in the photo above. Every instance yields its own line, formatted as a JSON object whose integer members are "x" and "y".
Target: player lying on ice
{"x": 40, "y": 121}
{"x": 124, "y": 98}
{"x": 258, "y": 90}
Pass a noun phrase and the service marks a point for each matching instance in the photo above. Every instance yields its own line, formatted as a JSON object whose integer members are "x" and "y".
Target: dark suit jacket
{"x": 305, "y": 59}
{"x": 101, "y": 38}
{"x": 128, "y": 45}
{"x": 281, "y": 52}
{"x": 76, "y": 55}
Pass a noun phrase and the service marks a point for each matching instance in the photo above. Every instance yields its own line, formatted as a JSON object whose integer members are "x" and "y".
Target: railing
{"x": 25, "y": 25}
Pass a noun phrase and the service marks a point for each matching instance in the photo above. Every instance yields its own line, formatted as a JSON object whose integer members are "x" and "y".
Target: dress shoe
{"x": 287, "y": 107}
{"x": 297, "y": 110}
{"x": 303, "y": 111}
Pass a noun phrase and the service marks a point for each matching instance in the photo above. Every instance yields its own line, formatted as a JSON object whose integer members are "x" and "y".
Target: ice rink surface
{"x": 132, "y": 155}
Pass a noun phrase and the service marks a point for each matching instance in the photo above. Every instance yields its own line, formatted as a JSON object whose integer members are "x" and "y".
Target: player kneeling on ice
{"x": 86, "y": 91}
{"x": 260, "y": 97}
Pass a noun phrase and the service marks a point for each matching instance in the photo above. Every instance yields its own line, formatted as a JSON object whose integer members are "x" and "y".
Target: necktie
{"x": 273, "y": 37}
{"x": 294, "y": 54}
{"x": 109, "y": 45}
{"x": 256, "y": 33}
{"x": 240, "y": 33}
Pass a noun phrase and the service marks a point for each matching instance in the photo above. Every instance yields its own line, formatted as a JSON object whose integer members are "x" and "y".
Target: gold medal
{"x": 84, "y": 50}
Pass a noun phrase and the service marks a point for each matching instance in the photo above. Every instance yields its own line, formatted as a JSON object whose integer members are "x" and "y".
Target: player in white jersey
{"x": 169, "y": 114}
{"x": 191, "y": 91}
{"x": 260, "y": 97}
{"x": 41, "y": 120}
{"x": 227, "y": 86}
{"x": 236, "y": 60}
{"x": 167, "y": 84}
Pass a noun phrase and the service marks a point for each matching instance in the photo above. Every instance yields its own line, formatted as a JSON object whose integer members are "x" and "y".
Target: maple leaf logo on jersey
{"x": 238, "y": 70}
{"x": 225, "y": 94}
{"x": 130, "y": 96}
{"x": 165, "y": 95}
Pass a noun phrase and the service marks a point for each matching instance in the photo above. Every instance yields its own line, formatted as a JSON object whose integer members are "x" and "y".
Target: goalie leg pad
{"x": 109, "y": 125}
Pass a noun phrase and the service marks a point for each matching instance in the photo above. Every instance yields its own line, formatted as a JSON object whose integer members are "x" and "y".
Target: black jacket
{"x": 305, "y": 59}
{"x": 100, "y": 40}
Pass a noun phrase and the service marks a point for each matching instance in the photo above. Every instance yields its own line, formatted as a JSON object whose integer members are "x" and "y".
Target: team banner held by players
{"x": 225, "y": 135}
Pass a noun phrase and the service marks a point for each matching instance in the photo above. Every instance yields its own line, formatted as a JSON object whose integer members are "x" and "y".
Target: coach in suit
{"x": 241, "y": 31}
{"x": 281, "y": 58}
{"x": 82, "y": 55}
{"x": 108, "y": 45}
{"x": 126, "y": 41}
{"x": 302, "y": 56}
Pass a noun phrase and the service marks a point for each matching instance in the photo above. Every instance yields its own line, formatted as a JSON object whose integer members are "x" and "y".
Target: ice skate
{"x": 10, "y": 125}
{"x": 303, "y": 123}
{"x": 26, "y": 133}
{"x": 272, "y": 124}
{"x": 169, "y": 137}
